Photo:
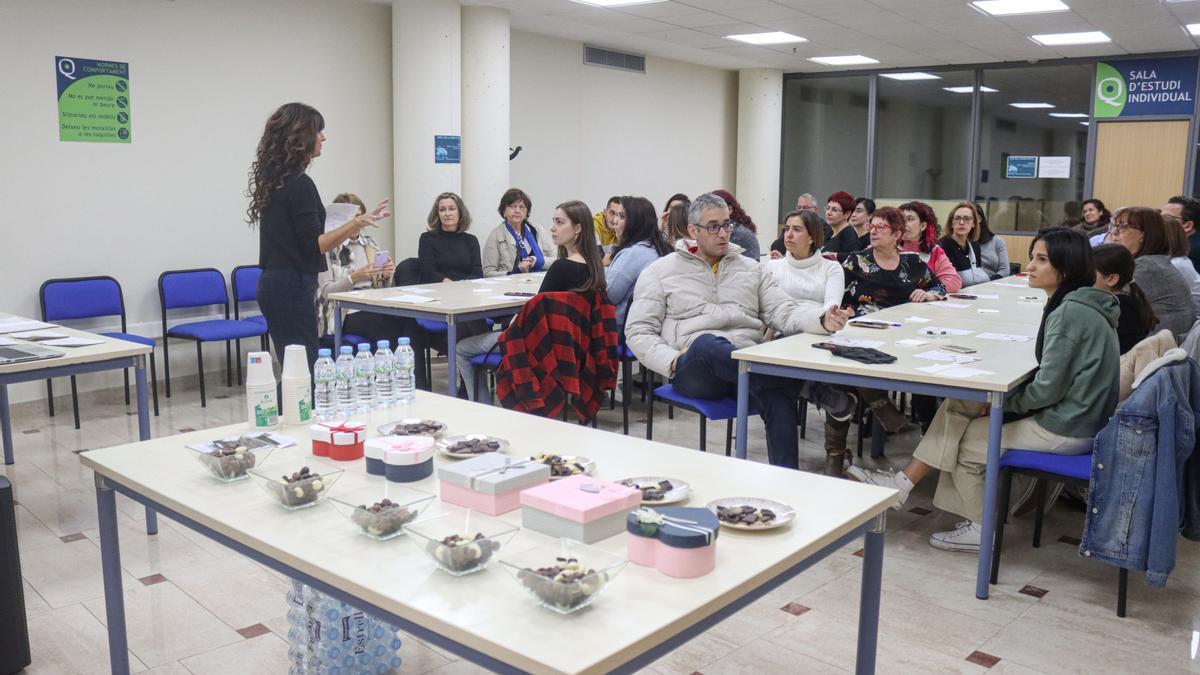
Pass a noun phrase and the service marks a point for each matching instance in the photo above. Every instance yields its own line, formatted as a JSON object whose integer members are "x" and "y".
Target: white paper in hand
{"x": 337, "y": 215}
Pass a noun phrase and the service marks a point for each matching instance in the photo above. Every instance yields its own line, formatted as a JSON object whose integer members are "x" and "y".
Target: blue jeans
{"x": 706, "y": 370}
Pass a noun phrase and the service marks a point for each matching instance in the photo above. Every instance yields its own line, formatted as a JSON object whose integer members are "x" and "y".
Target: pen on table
{"x": 890, "y": 324}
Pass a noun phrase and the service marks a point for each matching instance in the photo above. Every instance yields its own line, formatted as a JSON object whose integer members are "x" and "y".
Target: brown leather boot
{"x": 889, "y": 415}
{"x": 836, "y": 462}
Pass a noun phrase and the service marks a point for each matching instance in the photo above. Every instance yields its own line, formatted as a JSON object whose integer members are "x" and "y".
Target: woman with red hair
{"x": 842, "y": 239}
{"x": 920, "y": 237}
{"x": 744, "y": 230}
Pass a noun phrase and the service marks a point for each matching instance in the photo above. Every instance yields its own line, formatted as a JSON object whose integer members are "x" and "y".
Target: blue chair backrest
{"x": 245, "y": 283}
{"x": 81, "y": 298}
{"x": 192, "y": 288}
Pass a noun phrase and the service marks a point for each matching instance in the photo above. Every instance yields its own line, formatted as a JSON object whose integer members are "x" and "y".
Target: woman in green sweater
{"x": 1059, "y": 410}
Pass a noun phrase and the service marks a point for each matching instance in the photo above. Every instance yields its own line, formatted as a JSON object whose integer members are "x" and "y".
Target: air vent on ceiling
{"x": 597, "y": 56}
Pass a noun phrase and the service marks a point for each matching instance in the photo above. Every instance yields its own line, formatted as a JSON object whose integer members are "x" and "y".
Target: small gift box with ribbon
{"x": 677, "y": 541}
{"x": 490, "y": 483}
{"x": 580, "y": 508}
{"x": 342, "y": 441}
{"x": 406, "y": 459}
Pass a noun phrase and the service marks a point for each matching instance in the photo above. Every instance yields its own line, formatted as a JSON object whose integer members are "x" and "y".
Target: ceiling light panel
{"x": 1064, "y": 39}
{"x": 904, "y": 77}
{"x": 1031, "y": 106}
{"x": 851, "y": 60}
{"x": 1014, "y": 7}
{"x": 771, "y": 38}
{"x": 616, "y": 3}
{"x": 969, "y": 89}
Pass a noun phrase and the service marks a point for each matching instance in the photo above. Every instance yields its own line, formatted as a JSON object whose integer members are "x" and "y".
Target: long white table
{"x": 110, "y": 354}
{"x": 486, "y": 617}
{"x": 451, "y": 302}
{"x": 1009, "y": 363}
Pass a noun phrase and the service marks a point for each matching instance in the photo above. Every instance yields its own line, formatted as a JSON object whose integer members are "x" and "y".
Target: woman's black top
{"x": 844, "y": 242}
{"x": 448, "y": 255}
{"x": 958, "y": 254}
{"x": 290, "y": 225}
{"x": 1131, "y": 327}
{"x": 565, "y": 275}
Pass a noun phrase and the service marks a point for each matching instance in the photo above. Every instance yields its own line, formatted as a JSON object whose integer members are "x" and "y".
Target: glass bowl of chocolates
{"x": 564, "y": 577}
{"x": 461, "y": 542}
{"x": 381, "y": 512}
{"x": 413, "y": 427}
{"x": 297, "y": 486}
{"x": 230, "y": 460}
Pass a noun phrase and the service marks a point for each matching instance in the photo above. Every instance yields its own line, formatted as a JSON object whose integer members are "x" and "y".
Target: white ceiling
{"x": 900, "y": 33}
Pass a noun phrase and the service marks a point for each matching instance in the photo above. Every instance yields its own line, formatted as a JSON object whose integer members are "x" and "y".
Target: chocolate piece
{"x": 473, "y": 446}
{"x": 460, "y": 554}
{"x": 566, "y": 585}
{"x": 560, "y": 467}
{"x": 418, "y": 428}
{"x": 302, "y": 487}
{"x": 231, "y": 462}
{"x": 745, "y": 515}
{"x": 383, "y": 518}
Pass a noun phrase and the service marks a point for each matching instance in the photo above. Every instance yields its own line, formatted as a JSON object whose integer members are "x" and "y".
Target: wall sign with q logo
{"x": 93, "y": 100}
{"x": 1145, "y": 88}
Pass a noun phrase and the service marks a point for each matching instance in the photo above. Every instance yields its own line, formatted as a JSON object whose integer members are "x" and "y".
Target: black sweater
{"x": 448, "y": 255}
{"x": 565, "y": 275}
{"x": 290, "y": 225}
{"x": 1131, "y": 327}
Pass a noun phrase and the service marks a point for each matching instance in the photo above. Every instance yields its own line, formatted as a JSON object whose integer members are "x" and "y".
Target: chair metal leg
{"x": 859, "y": 419}
{"x": 650, "y": 416}
{"x": 75, "y": 401}
{"x": 154, "y": 381}
{"x": 125, "y": 372}
{"x": 1006, "y": 477}
{"x": 803, "y": 414}
{"x": 1039, "y": 495}
{"x": 200, "y": 368}
{"x": 229, "y": 365}
{"x": 703, "y": 433}
{"x": 167, "y": 365}
{"x": 237, "y": 350}
{"x": 626, "y": 386}
{"x": 50, "y": 396}
{"x": 729, "y": 437}
{"x": 1122, "y": 589}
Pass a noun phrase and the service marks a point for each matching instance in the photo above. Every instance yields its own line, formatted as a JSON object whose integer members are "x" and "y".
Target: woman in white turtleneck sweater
{"x": 802, "y": 273}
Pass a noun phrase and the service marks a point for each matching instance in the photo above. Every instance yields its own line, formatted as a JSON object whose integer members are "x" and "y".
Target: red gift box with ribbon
{"x": 341, "y": 441}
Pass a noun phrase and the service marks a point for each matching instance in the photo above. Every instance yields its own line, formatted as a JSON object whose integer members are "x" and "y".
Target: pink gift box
{"x": 579, "y": 507}
{"x": 683, "y": 545}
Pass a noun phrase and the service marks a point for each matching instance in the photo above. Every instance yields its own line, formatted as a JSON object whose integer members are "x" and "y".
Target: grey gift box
{"x": 557, "y": 526}
{"x": 494, "y": 474}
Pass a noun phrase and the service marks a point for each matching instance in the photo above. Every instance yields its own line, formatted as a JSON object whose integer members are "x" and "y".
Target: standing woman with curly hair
{"x": 292, "y": 241}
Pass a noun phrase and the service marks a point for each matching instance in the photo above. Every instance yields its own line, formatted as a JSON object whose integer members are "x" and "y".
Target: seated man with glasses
{"x": 693, "y": 307}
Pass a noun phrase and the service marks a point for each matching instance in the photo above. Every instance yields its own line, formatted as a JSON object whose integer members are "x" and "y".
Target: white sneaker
{"x": 964, "y": 537}
{"x": 887, "y": 479}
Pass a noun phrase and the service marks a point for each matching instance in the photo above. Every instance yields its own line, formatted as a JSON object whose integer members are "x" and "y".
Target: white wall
{"x": 204, "y": 76}
{"x": 590, "y": 132}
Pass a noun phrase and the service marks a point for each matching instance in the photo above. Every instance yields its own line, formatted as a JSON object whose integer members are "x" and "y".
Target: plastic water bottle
{"x": 324, "y": 375}
{"x": 364, "y": 377}
{"x": 344, "y": 384}
{"x": 383, "y": 375}
{"x": 406, "y": 383}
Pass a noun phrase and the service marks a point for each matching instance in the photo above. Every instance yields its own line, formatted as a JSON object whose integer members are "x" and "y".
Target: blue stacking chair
{"x": 707, "y": 409}
{"x": 1071, "y": 470}
{"x": 179, "y": 289}
{"x": 86, "y": 298}
{"x": 244, "y": 281}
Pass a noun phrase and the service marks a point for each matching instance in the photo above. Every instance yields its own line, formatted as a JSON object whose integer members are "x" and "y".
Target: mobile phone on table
{"x": 880, "y": 325}
{"x": 381, "y": 259}
{"x": 958, "y": 349}
{"x": 520, "y": 294}
{"x": 964, "y": 296}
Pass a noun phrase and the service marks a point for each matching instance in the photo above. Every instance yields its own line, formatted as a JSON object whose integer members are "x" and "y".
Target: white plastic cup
{"x": 262, "y": 407}
{"x": 297, "y": 387}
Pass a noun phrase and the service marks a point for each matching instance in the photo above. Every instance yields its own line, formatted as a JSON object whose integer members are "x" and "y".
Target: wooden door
{"x": 1140, "y": 163}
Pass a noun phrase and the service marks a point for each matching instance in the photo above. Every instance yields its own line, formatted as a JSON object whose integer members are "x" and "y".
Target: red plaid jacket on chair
{"x": 560, "y": 344}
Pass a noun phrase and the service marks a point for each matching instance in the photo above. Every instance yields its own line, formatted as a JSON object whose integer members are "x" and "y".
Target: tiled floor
{"x": 195, "y": 607}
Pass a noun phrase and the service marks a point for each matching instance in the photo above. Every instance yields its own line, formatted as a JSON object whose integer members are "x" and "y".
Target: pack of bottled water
{"x": 328, "y": 637}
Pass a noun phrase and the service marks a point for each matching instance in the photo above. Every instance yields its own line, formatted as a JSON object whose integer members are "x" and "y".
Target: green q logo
{"x": 1111, "y": 92}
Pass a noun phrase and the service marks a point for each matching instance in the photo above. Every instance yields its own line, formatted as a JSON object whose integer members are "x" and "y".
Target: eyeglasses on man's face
{"x": 726, "y": 226}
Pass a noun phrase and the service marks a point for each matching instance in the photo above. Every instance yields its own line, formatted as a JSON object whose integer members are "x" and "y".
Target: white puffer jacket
{"x": 679, "y": 297}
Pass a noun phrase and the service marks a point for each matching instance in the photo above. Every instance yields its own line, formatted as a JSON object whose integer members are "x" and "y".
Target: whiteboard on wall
{"x": 1054, "y": 167}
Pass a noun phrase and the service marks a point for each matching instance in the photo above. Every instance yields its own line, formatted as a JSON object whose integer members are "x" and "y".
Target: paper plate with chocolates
{"x": 657, "y": 490}
{"x": 413, "y": 427}
{"x": 752, "y": 513}
{"x": 471, "y": 445}
{"x": 565, "y": 466}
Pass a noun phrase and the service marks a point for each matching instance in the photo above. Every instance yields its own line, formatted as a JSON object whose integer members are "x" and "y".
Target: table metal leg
{"x": 143, "y": 407}
{"x": 6, "y": 424}
{"x": 990, "y": 483}
{"x": 878, "y": 437}
{"x": 743, "y": 407}
{"x": 451, "y": 354}
{"x": 337, "y": 328}
{"x": 868, "y": 603}
{"x": 114, "y": 594}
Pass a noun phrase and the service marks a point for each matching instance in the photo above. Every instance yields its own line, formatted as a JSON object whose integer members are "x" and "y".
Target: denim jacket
{"x": 1139, "y": 495}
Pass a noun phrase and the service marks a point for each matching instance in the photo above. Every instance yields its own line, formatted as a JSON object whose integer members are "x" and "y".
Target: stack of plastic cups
{"x": 297, "y": 386}
{"x": 262, "y": 407}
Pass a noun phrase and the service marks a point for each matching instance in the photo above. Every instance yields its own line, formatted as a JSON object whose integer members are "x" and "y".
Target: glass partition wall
{"x": 1014, "y": 139}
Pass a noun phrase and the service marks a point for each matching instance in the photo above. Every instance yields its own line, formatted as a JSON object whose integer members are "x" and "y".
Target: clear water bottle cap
{"x": 346, "y": 349}
{"x": 402, "y": 341}
{"x": 383, "y": 344}
{"x": 324, "y": 352}
{"x": 364, "y": 346}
